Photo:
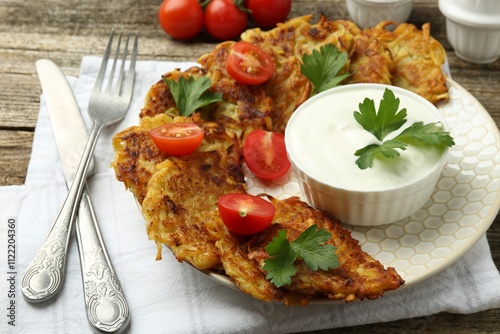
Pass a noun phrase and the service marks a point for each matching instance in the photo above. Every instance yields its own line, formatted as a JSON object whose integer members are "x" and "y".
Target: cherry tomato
{"x": 268, "y": 13}
{"x": 265, "y": 154}
{"x": 248, "y": 64}
{"x": 224, "y": 20}
{"x": 177, "y": 138}
{"x": 181, "y": 19}
{"x": 245, "y": 214}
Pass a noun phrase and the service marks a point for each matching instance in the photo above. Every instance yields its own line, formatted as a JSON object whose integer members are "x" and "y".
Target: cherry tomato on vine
{"x": 181, "y": 19}
{"x": 264, "y": 153}
{"x": 224, "y": 19}
{"x": 177, "y": 138}
{"x": 245, "y": 214}
{"x": 248, "y": 64}
{"x": 267, "y": 13}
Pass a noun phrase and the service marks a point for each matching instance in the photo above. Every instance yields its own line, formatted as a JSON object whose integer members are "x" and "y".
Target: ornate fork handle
{"x": 45, "y": 274}
{"x": 105, "y": 303}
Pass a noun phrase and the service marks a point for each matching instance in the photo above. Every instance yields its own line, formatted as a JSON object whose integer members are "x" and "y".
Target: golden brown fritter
{"x": 286, "y": 44}
{"x": 287, "y": 87}
{"x": 371, "y": 62}
{"x": 215, "y": 61}
{"x": 180, "y": 207}
{"x": 340, "y": 33}
{"x": 417, "y": 57}
{"x": 244, "y": 273}
{"x": 136, "y": 155}
{"x": 242, "y": 109}
{"x": 358, "y": 276}
{"x": 298, "y": 36}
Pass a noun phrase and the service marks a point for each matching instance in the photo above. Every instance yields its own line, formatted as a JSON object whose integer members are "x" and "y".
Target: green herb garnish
{"x": 192, "y": 94}
{"x": 387, "y": 120}
{"x": 309, "y": 246}
{"x": 321, "y": 67}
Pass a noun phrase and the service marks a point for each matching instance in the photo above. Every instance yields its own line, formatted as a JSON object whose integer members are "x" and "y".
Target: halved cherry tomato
{"x": 245, "y": 214}
{"x": 265, "y": 154}
{"x": 248, "y": 64}
{"x": 181, "y": 18}
{"x": 177, "y": 138}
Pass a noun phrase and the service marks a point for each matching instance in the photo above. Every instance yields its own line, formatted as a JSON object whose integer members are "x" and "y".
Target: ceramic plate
{"x": 463, "y": 206}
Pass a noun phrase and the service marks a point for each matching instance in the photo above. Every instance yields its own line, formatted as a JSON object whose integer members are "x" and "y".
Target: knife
{"x": 105, "y": 303}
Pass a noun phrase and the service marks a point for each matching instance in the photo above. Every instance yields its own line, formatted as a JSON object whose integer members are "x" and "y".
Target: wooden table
{"x": 65, "y": 31}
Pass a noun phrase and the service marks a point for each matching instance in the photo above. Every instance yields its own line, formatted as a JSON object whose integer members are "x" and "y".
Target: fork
{"x": 106, "y": 107}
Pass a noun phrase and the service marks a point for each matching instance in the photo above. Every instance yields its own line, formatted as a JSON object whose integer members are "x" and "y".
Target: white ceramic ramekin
{"x": 368, "y": 13}
{"x": 334, "y": 183}
{"x": 473, "y": 28}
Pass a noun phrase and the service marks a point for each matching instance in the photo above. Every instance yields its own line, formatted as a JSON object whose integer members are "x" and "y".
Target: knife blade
{"x": 107, "y": 308}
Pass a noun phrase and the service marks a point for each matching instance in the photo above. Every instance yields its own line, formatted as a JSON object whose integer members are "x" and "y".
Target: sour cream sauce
{"x": 323, "y": 136}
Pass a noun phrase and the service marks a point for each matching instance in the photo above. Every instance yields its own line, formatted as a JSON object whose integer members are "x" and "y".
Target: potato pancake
{"x": 242, "y": 109}
{"x": 180, "y": 207}
{"x": 137, "y": 157}
{"x": 417, "y": 58}
{"x": 358, "y": 275}
{"x": 371, "y": 62}
{"x": 286, "y": 44}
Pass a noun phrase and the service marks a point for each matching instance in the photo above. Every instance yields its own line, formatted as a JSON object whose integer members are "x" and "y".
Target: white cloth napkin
{"x": 170, "y": 297}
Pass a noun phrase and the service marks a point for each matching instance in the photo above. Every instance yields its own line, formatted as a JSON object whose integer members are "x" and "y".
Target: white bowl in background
{"x": 321, "y": 138}
{"x": 473, "y": 28}
{"x": 368, "y": 13}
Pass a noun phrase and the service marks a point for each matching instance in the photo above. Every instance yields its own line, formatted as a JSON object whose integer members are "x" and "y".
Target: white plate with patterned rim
{"x": 461, "y": 209}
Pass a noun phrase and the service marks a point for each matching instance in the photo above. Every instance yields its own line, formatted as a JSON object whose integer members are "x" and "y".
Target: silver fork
{"x": 105, "y": 108}
{"x": 105, "y": 303}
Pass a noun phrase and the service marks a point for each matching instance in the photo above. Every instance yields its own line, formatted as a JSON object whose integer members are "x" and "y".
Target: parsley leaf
{"x": 387, "y": 120}
{"x": 426, "y": 134}
{"x": 280, "y": 265}
{"x": 321, "y": 67}
{"x": 388, "y": 149}
{"x": 192, "y": 94}
{"x": 309, "y": 246}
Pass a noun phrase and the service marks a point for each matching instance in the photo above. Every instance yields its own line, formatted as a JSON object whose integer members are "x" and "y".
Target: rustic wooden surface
{"x": 67, "y": 30}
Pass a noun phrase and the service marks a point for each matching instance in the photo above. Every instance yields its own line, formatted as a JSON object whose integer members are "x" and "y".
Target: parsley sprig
{"x": 387, "y": 120}
{"x": 192, "y": 94}
{"x": 309, "y": 246}
{"x": 321, "y": 67}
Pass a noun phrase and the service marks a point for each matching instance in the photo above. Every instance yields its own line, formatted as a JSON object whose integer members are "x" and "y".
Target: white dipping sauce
{"x": 322, "y": 136}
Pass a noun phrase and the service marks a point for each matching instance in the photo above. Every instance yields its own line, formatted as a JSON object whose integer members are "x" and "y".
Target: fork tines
{"x": 123, "y": 87}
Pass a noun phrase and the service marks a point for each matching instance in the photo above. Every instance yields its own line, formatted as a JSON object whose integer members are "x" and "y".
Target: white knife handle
{"x": 106, "y": 306}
